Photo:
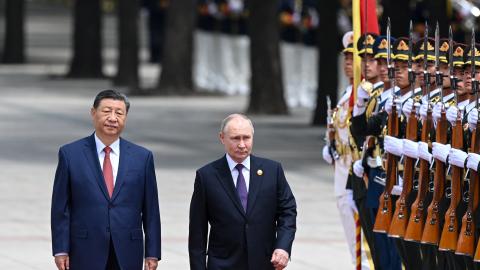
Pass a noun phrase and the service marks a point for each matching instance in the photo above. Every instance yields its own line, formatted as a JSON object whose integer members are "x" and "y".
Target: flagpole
{"x": 357, "y": 31}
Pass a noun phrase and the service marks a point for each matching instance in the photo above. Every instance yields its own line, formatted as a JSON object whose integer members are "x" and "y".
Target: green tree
{"x": 177, "y": 57}
{"x": 127, "y": 61}
{"x": 87, "y": 59}
{"x": 14, "y": 46}
{"x": 267, "y": 93}
{"x": 328, "y": 58}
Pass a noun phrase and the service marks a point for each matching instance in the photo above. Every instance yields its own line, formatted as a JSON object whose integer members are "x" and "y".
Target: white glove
{"x": 423, "y": 152}
{"x": 351, "y": 202}
{"x": 452, "y": 114}
{"x": 423, "y": 111}
{"x": 440, "y": 151}
{"x": 358, "y": 168}
{"x": 472, "y": 119}
{"x": 407, "y": 107}
{"x": 326, "y": 155}
{"x": 393, "y": 145}
{"x": 472, "y": 161}
{"x": 362, "y": 93}
{"x": 389, "y": 105}
{"x": 457, "y": 157}
{"x": 397, "y": 189}
{"x": 410, "y": 148}
{"x": 437, "y": 111}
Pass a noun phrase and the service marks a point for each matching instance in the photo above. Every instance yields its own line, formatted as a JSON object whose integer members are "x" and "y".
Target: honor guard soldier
{"x": 340, "y": 152}
{"x": 369, "y": 119}
{"x": 409, "y": 252}
{"x": 457, "y": 157}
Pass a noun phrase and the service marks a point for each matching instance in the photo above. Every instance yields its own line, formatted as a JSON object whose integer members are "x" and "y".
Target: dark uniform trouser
{"x": 409, "y": 251}
{"x": 367, "y": 228}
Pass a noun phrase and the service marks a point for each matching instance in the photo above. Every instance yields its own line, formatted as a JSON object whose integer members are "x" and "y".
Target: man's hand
{"x": 151, "y": 263}
{"x": 62, "y": 262}
{"x": 279, "y": 259}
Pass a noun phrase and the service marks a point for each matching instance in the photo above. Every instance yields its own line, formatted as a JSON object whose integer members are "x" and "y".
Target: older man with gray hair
{"x": 248, "y": 204}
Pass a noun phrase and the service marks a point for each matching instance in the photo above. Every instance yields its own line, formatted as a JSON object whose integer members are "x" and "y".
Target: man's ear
{"x": 221, "y": 137}
{"x": 92, "y": 112}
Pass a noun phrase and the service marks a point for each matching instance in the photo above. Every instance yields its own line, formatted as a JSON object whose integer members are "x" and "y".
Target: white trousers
{"x": 344, "y": 205}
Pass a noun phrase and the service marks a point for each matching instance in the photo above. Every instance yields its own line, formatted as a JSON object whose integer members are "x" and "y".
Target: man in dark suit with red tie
{"x": 105, "y": 190}
{"x": 248, "y": 204}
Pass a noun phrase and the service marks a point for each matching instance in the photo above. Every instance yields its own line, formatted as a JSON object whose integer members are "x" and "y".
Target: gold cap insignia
{"x": 370, "y": 40}
{"x": 429, "y": 47}
{"x": 402, "y": 46}
{"x": 260, "y": 172}
{"x": 458, "y": 52}
{"x": 444, "y": 47}
{"x": 477, "y": 52}
{"x": 383, "y": 44}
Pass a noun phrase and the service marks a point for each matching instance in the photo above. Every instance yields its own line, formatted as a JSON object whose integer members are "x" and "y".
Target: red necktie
{"x": 107, "y": 170}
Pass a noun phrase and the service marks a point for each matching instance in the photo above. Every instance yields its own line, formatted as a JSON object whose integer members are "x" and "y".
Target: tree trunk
{"x": 14, "y": 47}
{"x": 127, "y": 61}
{"x": 328, "y": 59}
{"x": 399, "y": 13}
{"x": 87, "y": 40}
{"x": 267, "y": 95}
{"x": 177, "y": 56}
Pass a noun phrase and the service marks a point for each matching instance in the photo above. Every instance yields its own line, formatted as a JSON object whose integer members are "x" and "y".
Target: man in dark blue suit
{"x": 248, "y": 204}
{"x": 104, "y": 191}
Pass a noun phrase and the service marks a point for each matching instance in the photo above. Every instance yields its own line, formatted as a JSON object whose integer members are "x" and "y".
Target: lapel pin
{"x": 260, "y": 172}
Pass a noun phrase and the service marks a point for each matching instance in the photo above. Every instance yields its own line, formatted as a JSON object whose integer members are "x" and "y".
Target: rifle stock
{"x": 431, "y": 232}
{"x": 398, "y": 225}
{"x": 384, "y": 213}
{"x": 449, "y": 238}
{"x": 466, "y": 239}
{"x": 417, "y": 216}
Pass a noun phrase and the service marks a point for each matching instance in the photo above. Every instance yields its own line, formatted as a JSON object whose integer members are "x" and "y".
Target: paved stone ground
{"x": 39, "y": 113}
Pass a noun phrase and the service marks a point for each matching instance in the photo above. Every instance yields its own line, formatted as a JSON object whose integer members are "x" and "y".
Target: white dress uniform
{"x": 345, "y": 203}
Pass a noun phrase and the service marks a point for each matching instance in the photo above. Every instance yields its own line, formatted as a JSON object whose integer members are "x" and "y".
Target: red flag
{"x": 371, "y": 20}
{"x": 360, "y": 25}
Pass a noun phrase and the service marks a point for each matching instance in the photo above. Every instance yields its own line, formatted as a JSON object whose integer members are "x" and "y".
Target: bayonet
{"x": 438, "y": 74}
{"x": 391, "y": 68}
{"x": 411, "y": 73}
{"x": 453, "y": 79}
{"x": 473, "y": 68}
{"x": 426, "y": 74}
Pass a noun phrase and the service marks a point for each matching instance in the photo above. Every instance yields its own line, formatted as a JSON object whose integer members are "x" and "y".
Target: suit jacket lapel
{"x": 90, "y": 152}
{"x": 255, "y": 181}
{"x": 224, "y": 176}
{"x": 125, "y": 156}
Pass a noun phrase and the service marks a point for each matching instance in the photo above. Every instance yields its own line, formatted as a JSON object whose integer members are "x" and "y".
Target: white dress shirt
{"x": 245, "y": 170}
{"x": 114, "y": 155}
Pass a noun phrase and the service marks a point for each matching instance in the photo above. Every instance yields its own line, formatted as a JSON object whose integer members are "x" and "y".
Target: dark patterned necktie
{"x": 242, "y": 186}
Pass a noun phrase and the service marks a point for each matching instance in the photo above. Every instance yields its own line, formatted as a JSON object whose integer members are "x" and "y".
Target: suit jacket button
{"x": 108, "y": 229}
{"x": 246, "y": 226}
{"x": 110, "y": 206}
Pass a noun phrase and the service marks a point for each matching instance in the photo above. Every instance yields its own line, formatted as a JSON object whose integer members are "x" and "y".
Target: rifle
{"x": 466, "y": 240}
{"x": 431, "y": 232}
{"x": 449, "y": 239}
{"x": 384, "y": 213}
{"x": 330, "y": 135}
{"x": 417, "y": 216}
{"x": 401, "y": 215}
